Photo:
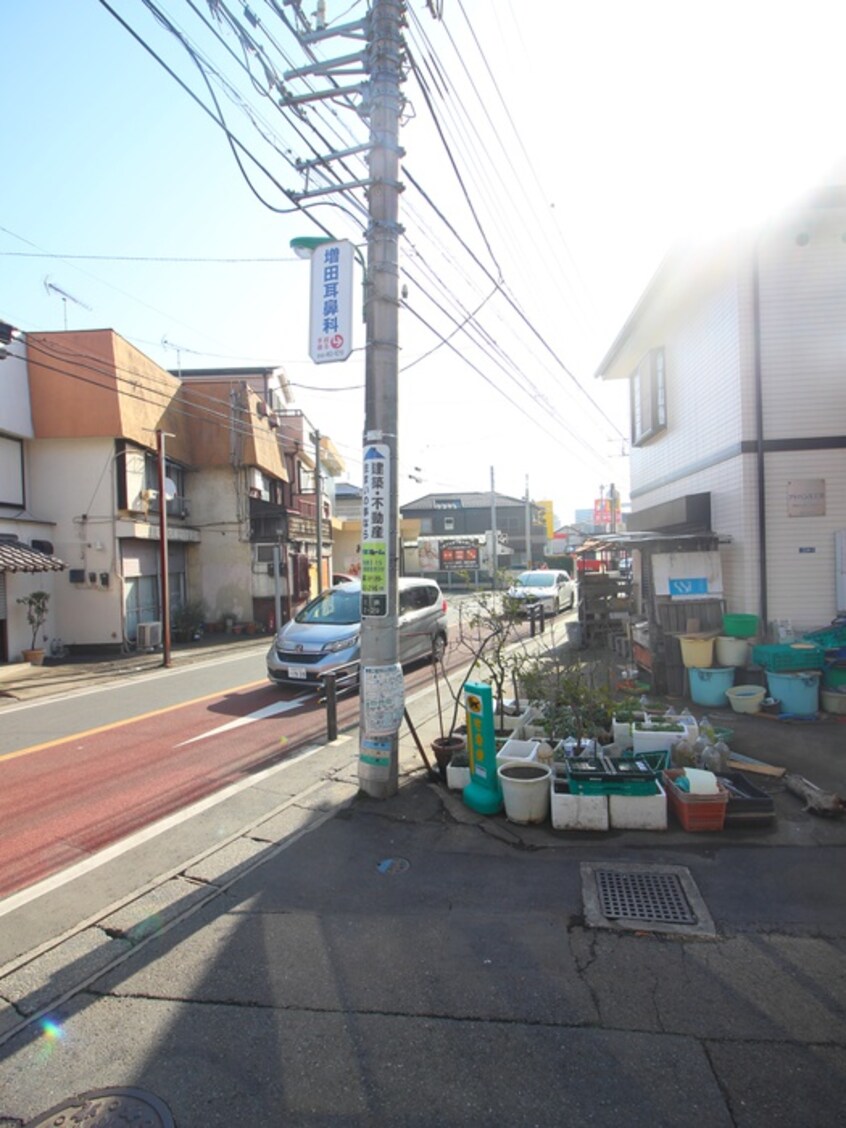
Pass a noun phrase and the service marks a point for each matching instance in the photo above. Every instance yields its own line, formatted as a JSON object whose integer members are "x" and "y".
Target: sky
{"x": 554, "y": 153}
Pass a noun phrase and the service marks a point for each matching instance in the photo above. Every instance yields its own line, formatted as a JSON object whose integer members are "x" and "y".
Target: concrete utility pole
{"x": 318, "y": 497}
{"x": 164, "y": 566}
{"x": 528, "y": 517}
{"x": 494, "y": 539}
{"x": 382, "y": 696}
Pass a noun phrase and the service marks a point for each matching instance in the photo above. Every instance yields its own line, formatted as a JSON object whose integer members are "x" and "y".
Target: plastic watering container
{"x": 696, "y": 651}
{"x": 746, "y": 698}
{"x": 798, "y": 693}
{"x": 525, "y": 791}
{"x": 740, "y": 626}
{"x": 708, "y": 687}
{"x": 732, "y": 651}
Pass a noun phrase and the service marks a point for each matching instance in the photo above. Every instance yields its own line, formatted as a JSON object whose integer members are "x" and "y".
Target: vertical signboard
{"x": 375, "y": 529}
{"x": 330, "y": 321}
{"x": 483, "y": 792}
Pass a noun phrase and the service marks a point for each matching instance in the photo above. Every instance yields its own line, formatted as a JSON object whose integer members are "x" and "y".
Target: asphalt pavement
{"x": 334, "y": 959}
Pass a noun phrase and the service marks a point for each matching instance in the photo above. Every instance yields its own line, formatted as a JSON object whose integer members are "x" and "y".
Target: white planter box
{"x": 517, "y": 752}
{"x": 650, "y": 740}
{"x": 576, "y": 812}
{"x": 530, "y": 732}
{"x": 639, "y": 812}
{"x": 621, "y": 733}
{"x": 457, "y": 776}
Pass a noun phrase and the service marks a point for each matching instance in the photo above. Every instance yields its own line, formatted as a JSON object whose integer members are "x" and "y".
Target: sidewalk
{"x": 347, "y": 961}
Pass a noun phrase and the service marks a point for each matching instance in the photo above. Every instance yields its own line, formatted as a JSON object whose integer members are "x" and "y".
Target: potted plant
{"x": 657, "y": 735}
{"x": 187, "y": 622}
{"x": 36, "y": 604}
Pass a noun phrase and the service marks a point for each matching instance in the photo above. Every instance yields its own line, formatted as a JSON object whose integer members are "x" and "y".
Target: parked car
{"x": 553, "y": 590}
{"x": 326, "y": 633}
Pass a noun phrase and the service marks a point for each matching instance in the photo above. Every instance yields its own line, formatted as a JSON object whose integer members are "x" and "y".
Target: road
{"x": 84, "y": 772}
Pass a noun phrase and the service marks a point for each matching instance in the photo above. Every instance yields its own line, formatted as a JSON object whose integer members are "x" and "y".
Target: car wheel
{"x": 572, "y": 601}
{"x": 438, "y": 648}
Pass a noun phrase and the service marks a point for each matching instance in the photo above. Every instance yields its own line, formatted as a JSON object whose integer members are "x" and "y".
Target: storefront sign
{"x": 457, "y": 554}
{"x": 806, "y": 497}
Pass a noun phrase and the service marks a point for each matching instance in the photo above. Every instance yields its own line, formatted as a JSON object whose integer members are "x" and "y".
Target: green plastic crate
{"x": 619, "y": 786}
{"x": 832, "y": 638}
{"x": 789, "y": 656}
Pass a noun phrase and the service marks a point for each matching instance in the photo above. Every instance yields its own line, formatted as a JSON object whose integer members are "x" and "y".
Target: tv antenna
{"x": 179, "y": 350}
{"x": 52, "y": 288}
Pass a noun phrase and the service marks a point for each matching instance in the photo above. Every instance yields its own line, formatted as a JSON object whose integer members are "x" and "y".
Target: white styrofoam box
{"x": 621, "y": 733}
{"x": 457, "y": 777}
{"x": 530, "y": 731}
{"x": 576, "y": 812}
{"x": 639, "y": 812}
{"x": 517, "y": 751}
{"x": 650, "y": 740}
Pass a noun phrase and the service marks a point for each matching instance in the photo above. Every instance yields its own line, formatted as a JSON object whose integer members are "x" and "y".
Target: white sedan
{"x": 554, "y": 590}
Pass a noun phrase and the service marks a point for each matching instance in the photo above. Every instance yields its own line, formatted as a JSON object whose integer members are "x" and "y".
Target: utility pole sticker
{"x": 375, "y": 530}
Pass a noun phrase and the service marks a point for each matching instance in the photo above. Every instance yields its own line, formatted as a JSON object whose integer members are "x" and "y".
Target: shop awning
{"x": 17, "y": 557}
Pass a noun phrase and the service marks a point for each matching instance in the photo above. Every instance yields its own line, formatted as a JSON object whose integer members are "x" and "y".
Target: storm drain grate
{"x": 643, "y": 896}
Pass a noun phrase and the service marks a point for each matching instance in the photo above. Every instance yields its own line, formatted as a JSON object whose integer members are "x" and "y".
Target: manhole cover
{"x": 107, "y": 1107}
{"x": 392, "y": 866}
{"x": 644, "y": 898}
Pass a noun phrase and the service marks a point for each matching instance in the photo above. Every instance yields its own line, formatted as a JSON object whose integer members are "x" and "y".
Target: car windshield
{"x": 338, "y": 606}
{"x": 536, "y": 579}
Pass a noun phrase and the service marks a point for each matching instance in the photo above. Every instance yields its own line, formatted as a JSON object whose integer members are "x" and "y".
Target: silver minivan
{"x": 325, "y": 634}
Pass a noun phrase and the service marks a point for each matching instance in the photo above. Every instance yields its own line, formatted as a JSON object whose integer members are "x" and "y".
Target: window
{"x": 648, "y": 397}
{"x": 449, "y": 524}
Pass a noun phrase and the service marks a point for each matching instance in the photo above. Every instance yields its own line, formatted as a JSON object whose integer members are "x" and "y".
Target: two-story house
{"x": 735, "y": 359}
{"x": 106, "y": 424}
{"x": 27, "y": 561}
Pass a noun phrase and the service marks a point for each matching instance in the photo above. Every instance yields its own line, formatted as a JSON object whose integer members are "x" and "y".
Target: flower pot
{"x": 444, "y": 748}
{"x": 34, "y": 657}
{"x": 525, "y": 792}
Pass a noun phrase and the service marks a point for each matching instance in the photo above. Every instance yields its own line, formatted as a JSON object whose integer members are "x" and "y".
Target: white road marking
{"x": 258, "y": 715}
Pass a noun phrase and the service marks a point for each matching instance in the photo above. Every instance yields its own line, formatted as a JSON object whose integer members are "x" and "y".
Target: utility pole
{"x": 494, "y": 540}
{"x": 528, "y": 526}
{"x": 318, "y": 495}
{"x": 163, "y": 555}
{"x": 382, "y": 696}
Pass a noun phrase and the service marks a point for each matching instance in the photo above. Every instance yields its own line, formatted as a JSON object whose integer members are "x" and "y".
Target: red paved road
{"x": 64, "y": 801}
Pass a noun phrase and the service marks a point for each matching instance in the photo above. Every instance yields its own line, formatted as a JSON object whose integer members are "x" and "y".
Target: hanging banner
{"x": 330, "y": 319}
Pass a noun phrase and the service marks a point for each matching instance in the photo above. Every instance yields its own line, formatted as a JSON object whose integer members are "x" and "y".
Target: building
{"x": 520, "y": 524}
{"x": 27, "y": 561}
{"x": 734, "y": 359}
{"x": 91, "y": 433}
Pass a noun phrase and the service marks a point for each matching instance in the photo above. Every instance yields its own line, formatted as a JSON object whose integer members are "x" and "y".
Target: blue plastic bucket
{"x": 799, "y": 693}
{"x": 708, "y": 687}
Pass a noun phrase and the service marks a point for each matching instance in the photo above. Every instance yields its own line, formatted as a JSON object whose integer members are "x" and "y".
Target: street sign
{"x": 375, "y": 530}
{"x": 330, "y": 320}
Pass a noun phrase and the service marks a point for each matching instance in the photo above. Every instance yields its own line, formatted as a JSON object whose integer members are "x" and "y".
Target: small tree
{"x": 36, "y": 612}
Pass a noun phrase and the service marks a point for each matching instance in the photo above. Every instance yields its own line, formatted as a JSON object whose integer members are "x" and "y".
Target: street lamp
{"x": 304, "y": 246}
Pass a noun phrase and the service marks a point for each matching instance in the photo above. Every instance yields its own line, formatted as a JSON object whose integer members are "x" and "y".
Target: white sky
{"x": 606, "y": 132}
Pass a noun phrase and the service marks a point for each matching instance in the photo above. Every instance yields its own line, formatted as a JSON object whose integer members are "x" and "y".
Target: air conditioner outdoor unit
{"x": 149, "y": 636}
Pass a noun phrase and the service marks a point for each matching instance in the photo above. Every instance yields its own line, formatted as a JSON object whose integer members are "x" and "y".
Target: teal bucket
{"x": 798, "y": 693}
{"x": 708, "y": 687}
